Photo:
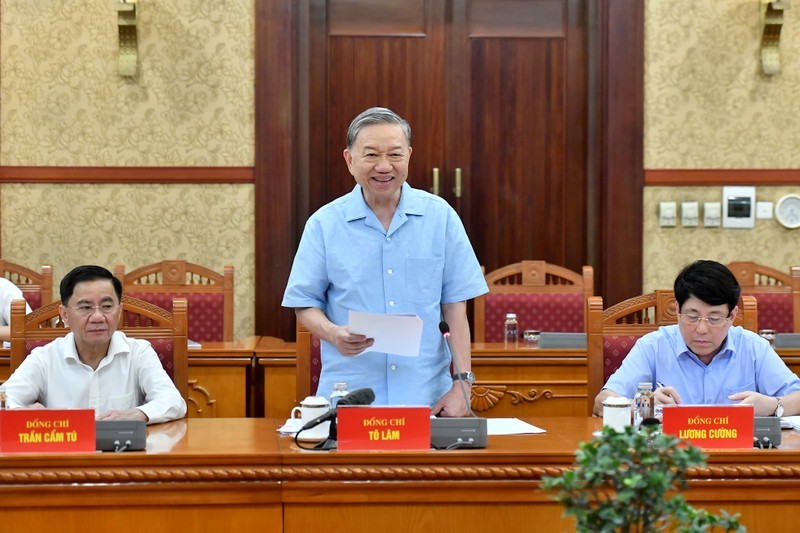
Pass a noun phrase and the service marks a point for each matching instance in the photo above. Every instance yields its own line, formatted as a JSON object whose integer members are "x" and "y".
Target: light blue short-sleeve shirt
{"x": 746, "y": 362}
{"x": 347, "y": 261}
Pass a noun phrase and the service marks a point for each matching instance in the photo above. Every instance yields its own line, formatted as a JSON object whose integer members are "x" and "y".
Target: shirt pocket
{"x": 747, "y": 386}
{"x": 424, "y": 280}
{"x": 121, "y": 403}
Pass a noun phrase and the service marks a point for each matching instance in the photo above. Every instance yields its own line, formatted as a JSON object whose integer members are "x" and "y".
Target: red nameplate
{"x": 47, "y": 430}
{"x": 711, "y": 426}
{"x": 383, "y": 428}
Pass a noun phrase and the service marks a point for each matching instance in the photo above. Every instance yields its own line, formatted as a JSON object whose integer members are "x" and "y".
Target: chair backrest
{"x": 166, "y": 332}
{"x": 37, "y": 288}
{"x": 611, "y": 333}
{"x": 778, "y": 294}
{"x": 544, "y": 296}
{"x": 308, "y": 363}
{"x": 209, "y": 293}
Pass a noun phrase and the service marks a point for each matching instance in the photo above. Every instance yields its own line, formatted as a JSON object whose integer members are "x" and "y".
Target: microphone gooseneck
{"x": 444, "y": 327}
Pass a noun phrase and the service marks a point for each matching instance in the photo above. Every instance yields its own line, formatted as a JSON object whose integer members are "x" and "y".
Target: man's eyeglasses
{"x": 86, "y": 310}
{"x": 712, "y": 321}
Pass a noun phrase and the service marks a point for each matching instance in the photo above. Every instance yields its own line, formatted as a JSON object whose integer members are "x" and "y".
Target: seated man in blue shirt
{"x": 703, "y": 359}
{"x": 386, "y": 247}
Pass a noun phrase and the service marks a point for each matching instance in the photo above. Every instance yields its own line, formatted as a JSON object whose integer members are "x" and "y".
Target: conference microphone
{"x": 450, "y": 433}
{"x": 444, "y": 327}
{"x": 363, "y": 396}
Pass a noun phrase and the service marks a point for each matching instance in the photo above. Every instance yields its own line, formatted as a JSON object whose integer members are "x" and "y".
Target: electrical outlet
{"x": 764, "y": 210}
{"x": 667, "y": 213}
{"x": 690, "y": 213}
{"x": 712, "y": 214}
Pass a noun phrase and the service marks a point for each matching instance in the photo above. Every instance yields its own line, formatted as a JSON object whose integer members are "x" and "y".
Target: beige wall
{"x": 707, "y": 106}
{"x": 62, "y": 103}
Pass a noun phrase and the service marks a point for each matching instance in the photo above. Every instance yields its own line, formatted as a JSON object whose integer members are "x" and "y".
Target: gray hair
{"x": 373, "y": 116}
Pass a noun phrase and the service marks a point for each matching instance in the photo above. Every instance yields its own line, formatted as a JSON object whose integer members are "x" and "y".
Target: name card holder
{"x": 364, "y": 428}
{"x": 47, "y": 430}
{"x": 711, "y": 426}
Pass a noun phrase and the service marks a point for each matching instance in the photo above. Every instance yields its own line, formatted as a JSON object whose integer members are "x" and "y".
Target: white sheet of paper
{"x": 510, "y": 426}
{"x": 394, "y": 334}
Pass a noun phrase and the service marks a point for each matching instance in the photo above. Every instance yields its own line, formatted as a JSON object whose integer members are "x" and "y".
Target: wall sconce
{"x": 127, "y": 18}
{"x": 771, "y": 23}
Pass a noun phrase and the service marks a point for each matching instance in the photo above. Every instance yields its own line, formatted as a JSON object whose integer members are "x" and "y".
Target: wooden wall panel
{"x": 518, "y": 151}
{"x": 512, "y": 18}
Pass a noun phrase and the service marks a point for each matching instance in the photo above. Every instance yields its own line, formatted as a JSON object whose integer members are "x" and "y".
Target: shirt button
{"x": 390, "y": 271}
{"x": 393, "y": 367}
{"x": 391, "y": 303}
{"x": 388, "y": 238}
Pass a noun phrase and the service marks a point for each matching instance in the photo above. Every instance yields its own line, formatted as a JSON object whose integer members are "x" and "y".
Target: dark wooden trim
{"x": 619, "y": 183}
{"x": 126, "y": 174}
{"x": 678, "y": 177}
{"x": 275, "y": 163}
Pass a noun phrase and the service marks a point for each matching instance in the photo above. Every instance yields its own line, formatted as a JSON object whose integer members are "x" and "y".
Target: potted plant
{"x": 631, "y": 481}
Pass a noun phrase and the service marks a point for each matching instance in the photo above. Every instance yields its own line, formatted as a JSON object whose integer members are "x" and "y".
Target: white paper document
{"x": 394, "y": 334}
{"x": 510, "y": 426}
{"x": 790, "y": 422}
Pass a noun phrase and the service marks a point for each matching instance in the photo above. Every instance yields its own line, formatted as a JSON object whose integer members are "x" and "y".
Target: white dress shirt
{"x": 129, "y": 376}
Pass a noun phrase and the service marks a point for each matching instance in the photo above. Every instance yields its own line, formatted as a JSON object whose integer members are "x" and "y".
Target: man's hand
{"x": 762, "y": 405}
{"x": 127, "y": 414}
{"x": 667, "y": 396}
{"x": 452, "y": 404}
{"x": 350, "y": 343}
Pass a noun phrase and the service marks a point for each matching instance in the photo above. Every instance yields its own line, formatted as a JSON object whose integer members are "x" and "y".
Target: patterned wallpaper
{"x": 62, "y": 103}
{"x": 134, "y": 225}
{"x": 707, "y": 105}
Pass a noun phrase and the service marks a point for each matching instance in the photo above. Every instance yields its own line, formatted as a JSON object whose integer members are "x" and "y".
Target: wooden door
{"x": 484, "y": 84}
{"x": 363, "y": 53}
{"x": 539, "y": 103}
{"x": 517, "y": 100}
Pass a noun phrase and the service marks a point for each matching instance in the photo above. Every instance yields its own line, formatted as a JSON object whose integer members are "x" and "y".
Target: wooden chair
{"x": 544, "y": 296}
{"x": 611, "y": 333}
{"x": 166, "y": 332}
{"x": 308, "y": 363}
{"x": 209, "y": 293}
{"x": 778, "y": 294}
{"x": 37, "y": 288}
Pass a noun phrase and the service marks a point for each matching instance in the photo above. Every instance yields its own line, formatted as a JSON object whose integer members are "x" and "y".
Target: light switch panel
{"x": 764, "y": 210}
{"x": 667, "y": 213}
{"x": 690, "y": 214}
{"x": 712, "y": 214}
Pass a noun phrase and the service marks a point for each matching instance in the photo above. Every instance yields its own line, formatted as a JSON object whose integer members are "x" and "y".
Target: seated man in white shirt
{"x": 95, "y": 366}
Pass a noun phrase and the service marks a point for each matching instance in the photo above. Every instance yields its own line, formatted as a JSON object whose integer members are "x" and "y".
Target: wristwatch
{"x": 469, "y": 377}
{"x": 779, "y": 409}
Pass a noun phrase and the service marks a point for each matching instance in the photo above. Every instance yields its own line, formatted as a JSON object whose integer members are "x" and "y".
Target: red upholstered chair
{"x": 209, "y": 293}
{"x": 37, "y": 288}
{"x": 308, "y": 363}
{"x": 166, "y": 332}
{"x": 778, "y": 294}
{"x": 611, "y": 333}
{"x": 544, "y": 296}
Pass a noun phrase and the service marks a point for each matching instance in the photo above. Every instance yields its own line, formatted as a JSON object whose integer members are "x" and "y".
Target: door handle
{"x": 457, "y": 188}
{"x": 435, "y": 188}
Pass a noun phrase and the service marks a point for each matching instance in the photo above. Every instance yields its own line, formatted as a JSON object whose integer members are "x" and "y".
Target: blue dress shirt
{"x": 347, "y": 261}
{"x": 746, "y": 362}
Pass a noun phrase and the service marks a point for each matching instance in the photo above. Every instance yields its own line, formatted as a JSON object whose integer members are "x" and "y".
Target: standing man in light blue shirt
{"x": 704, "y": 359}
{"x": 386, "y": 247}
